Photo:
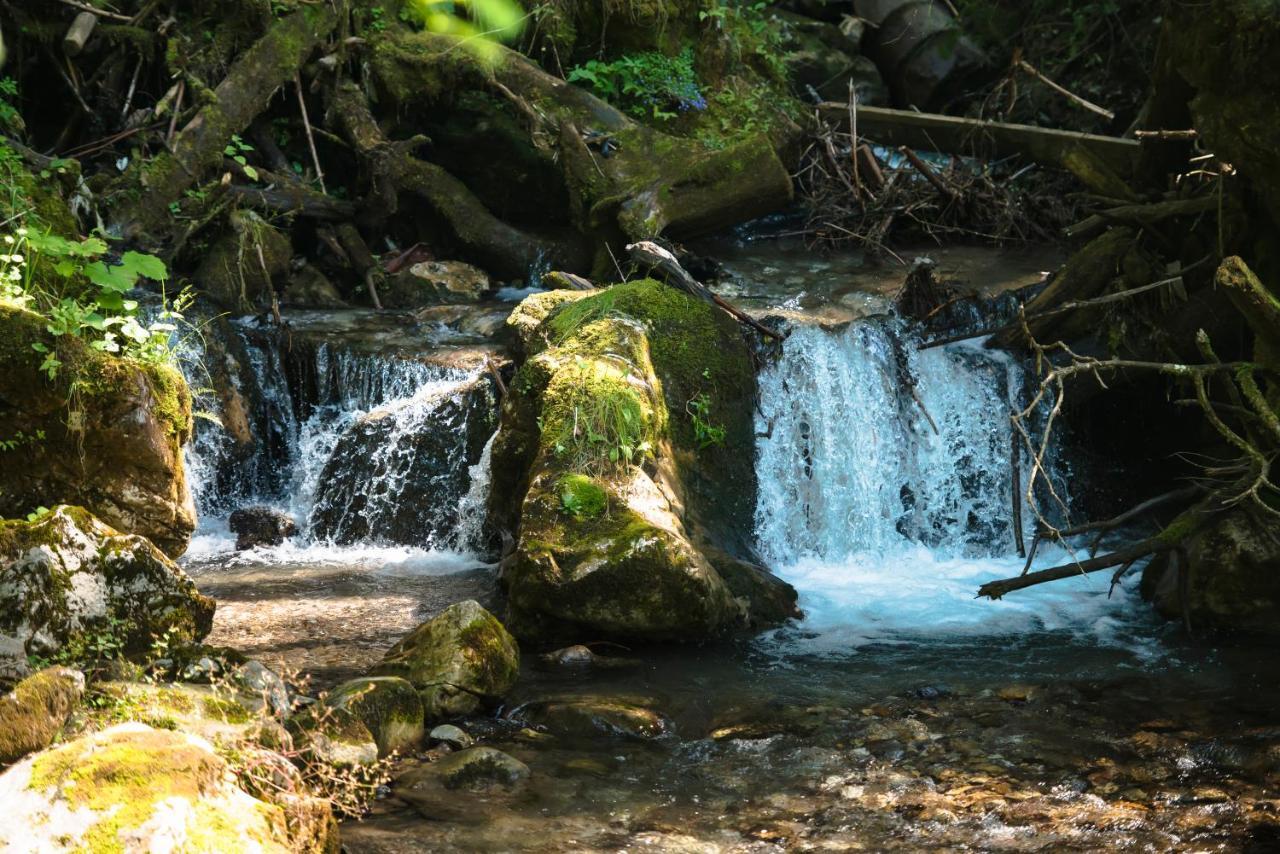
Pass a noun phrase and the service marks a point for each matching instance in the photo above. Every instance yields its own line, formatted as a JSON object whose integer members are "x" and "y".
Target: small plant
{"x": 9, "y": 115}
{"x": 101, "y": 315}
{"x": 705, "y": 432}
{"x": 236, "y": 150}
{"x": 647, "y": 85}
{"x": 19, "y": 440}
{"x": 600, "y": 423}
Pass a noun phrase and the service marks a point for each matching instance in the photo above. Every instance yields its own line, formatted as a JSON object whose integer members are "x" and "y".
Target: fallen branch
{"x": 1027, "y": 67}
{"x": 646, "y": 253}
{"x": 998, "y": 589}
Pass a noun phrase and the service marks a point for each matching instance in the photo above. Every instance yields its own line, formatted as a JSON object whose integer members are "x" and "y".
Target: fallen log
{"x": 646, "y": 253}
{"x": 955, "y": 135}
{"x": 292, "y": 198}
{"x": 241, "y": 96}
{"x": 1143, "y": 215}
{"x": 997, "y": 589}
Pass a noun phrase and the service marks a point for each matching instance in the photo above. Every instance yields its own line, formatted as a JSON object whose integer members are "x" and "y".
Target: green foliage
{"x": 581, "y": 497}
{"x": 9, "y": 115}
{"x": 482, "y": 24}
{"x": 705, "y": 432}
{"x": 100, "y": 314}
{"x": 96, "y": 645}
{"x": 645, "y": 85}
{"x": 20, "y": 440}
{"x": 236, "y": 150}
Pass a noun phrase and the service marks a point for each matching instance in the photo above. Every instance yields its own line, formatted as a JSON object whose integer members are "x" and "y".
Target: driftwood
{"x": 562, "y": 281}
{"x": 646, "y": 253}
{"x": 951, "y": 134}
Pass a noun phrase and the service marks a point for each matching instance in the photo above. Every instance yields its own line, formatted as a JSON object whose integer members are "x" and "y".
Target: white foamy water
{"x": 374, "y": 452}
{"x": 887, "y": 519}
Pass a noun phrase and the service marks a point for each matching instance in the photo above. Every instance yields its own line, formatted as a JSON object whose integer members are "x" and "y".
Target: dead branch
{"x": 649, "y": 254}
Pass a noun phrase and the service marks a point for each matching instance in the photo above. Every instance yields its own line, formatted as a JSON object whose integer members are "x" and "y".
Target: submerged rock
{"x": 625, "y": 461}
{"x": 390, "y": 707}
{"x": 584, "y": 717}
{"x": 580, "y": 657}
{"x": 457, "y": 661}
{"x": 398, "y": 473}
{"x": 476, "y": 769}
{"x": 67, "y": 579}
{"x": 116, "y": 449}
{"x": 134, "y": 788}
{"x": 260, "y": 526}
{"x": 33, "y": 712}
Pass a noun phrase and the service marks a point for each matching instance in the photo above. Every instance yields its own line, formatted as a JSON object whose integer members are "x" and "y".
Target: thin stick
{"x": 923, "y": 169}
{"x": 173, "y": 119}
{"x": 1191, "y": 133}
{"x": 1088, "y": 105}
{"x": 306, "y": 123}
{"x": 1015, "y": 474}
{"x": 133, "y": 85}
{"x": 101, "y": 13}
{"x": 997, "y": 589}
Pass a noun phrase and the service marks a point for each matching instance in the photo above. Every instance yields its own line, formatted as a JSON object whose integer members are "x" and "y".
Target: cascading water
{"x": 361, "y": 449}
{"x": 886, "y": 477}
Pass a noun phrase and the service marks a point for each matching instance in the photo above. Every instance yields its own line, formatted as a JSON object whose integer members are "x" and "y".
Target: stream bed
{"x": 899, "y": 714}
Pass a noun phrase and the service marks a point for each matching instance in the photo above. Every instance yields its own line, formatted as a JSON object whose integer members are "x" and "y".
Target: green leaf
{"x": 250, "y": 171}
{"x": 147, "y": 266}
{"x": 115, "y": 278}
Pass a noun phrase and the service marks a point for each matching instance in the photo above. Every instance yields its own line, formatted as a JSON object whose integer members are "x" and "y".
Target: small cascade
{"x": 885, "y": 491}
{"x": 360, "y": 448}
{"x": 872, "y": 444}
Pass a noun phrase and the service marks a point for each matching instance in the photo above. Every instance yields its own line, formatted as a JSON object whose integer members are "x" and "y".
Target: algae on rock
{"x": 458, "y": 661}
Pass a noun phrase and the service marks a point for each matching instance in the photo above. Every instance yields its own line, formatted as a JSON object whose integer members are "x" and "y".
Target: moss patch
{"x": 581, "y": 497}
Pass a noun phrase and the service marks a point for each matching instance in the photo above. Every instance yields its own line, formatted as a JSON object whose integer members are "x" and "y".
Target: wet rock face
{"x": 260, "y": 526}
{"x": 434, "y": 283}
{"x": 398, "y": 474}
{"x": 622, "y": 548}
{"x": 33, "y": 712}
{"x": 132, "y": 787}
{"x": 457, "y": 661}
{"x": 1234, "y": 582}
{"x": 117, "y": 451}
{"x": 67, "y": 577}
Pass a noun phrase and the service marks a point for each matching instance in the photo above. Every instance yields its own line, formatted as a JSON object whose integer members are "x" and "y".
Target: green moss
{"x": 581, "y": 497}
{"x": 229, "y": 711}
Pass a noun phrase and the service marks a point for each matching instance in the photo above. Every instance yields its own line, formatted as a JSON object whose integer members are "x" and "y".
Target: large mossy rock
{"x": 625, "y": 460}
{"x": 106, "y": 433}
{"x": 67, "y": 578}
{"x": 458, "y": 661}
{"x": 35, "y": 710}
{"x": 133, "y": 788}
{"x": 1234, "y": 577}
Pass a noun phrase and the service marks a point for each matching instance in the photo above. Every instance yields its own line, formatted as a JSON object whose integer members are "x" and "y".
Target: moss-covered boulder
{"x": 625, "y": 460}
{"x": 247, "y": 265}
{"x": 458, "y": 661}
{"x": 134, "y": 788}
{"x": 33, "y": 712}
{"x": 1233, "y": 579}
{"x": 106, "y": 433}
{"x": 390, "y": 707}
{"x": 67, "y": 580}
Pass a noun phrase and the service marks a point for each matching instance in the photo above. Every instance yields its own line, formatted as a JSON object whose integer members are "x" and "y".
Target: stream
{"x": 900, "y": 714}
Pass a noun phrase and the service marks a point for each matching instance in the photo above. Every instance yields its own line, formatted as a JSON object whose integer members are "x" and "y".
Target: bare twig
{"x": 1027, "y": 67}
{"x": 306, "y": 123}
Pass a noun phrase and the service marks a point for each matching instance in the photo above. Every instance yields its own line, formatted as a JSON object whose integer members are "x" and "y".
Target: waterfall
{"x": 360, "y": 448}
{"x": 885, "y": 479}
{"x": 871, "y": 443}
